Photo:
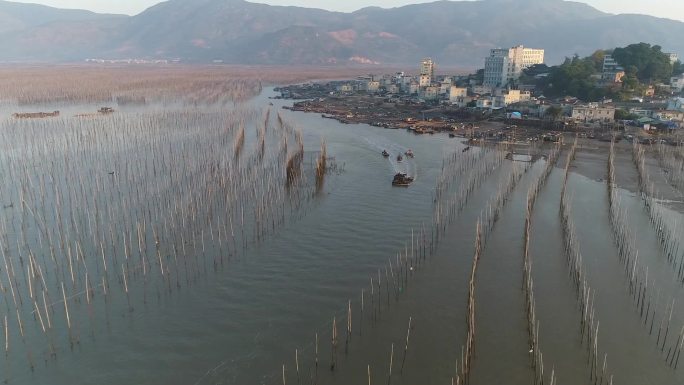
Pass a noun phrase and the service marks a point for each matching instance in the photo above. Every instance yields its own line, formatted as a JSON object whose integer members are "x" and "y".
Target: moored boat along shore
{"x": 414, "y": 117}
{"x": 393, "y": 111}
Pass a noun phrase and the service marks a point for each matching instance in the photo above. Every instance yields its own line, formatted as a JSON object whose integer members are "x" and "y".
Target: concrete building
{"x": 673, "y": 57}
{"x": 346, "y": 88}
{"x": 676, "y": 116}
{"x": 612, "y": 71}
{"x": 505, "y": 98}
{"x": 644, "y": 112}
{"x": 425, "y": 81}
{"x": 485, "y": 102}
{"x": 405, "y": 81}
{"x": 431, "y": 93}
{"x": 615, "y": 77}
{"x": 393, "y": 89}
{"x": 373, "y": 86}
{"x": 594, "y": 112}
{"x": 457, "y": 92}
{"x": 677, "y": 83}
{"x": 531, "y": 108}
{"x": 676, "y": 104}
{"x": 504, "y": 66}
{"x": 444, "y": 87}
{"x": 461, "y": 102}
{"x": 496, "y": 68}
{"x": 427, "y": 67}
{"x": 650, "y": 91}
{"x": 414, "y": 87}
{"x": 481, "y": 90}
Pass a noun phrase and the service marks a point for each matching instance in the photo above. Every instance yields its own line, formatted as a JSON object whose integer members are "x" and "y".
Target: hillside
{"x": 20, "y": 17}
{"x": 455, "y": 33}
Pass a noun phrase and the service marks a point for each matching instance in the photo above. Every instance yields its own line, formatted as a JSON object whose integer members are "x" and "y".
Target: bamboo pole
{"x": 408, "y": 334}
{"x": 389, "y": 377}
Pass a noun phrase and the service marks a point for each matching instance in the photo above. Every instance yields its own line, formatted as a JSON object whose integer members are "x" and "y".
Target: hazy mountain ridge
{"x": 236, "y": 31}
{"x": 20, "y": 16}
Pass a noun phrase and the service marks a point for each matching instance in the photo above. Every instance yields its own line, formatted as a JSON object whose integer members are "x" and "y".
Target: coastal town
{"x": 511, "y": 98}
{"x": 381, "y": 192}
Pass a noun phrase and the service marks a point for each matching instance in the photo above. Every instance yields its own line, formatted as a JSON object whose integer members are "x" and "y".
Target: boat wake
{"x": 407, "y": 165}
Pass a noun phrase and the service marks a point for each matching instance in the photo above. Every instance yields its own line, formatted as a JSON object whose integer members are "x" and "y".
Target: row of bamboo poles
{"x": 668, "y": 233}
{"x": 125, "y": 86}
{"x": 533, "y": 323}
{"x": 388, "y": 283}
{"x": 463, "y": 373}
{"x": 133, "y": 207}
{"x": 672, "y": 159}
{"x": 640, "y": 289}
{"x": 589, "y": 323}
{"x": 485, "y": 225}
{"x": 470, "y": 169}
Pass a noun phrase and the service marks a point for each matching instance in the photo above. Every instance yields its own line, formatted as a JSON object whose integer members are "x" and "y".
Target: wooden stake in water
{"x": 361, "y": 322}
{"x": 349, "y": 326}
{"x": 333, "y": 358}
{"x": 6, "y": 336}
{"x": 389, "y": 378}
{"x": 297, "y": 365}
{"x": 66, "y": 307}
{"x": 408, "y": 334}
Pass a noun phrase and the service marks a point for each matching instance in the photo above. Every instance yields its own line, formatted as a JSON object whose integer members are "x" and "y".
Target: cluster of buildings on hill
{"x": 612, "y": 75}
{"x": 132, "y": 61}
{"x": 502, "y": 68}
{"x": 498, "y": 88}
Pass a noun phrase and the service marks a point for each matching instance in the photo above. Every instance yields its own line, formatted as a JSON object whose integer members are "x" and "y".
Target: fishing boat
{"x": 402, "y": 180}
{"x": 399, "y": 158}
{"x": 385, "y": 153}
{"x": 409, "y": 153}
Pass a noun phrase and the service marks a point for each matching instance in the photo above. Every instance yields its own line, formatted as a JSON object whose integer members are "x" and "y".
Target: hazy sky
{"x": 673, "y": 9}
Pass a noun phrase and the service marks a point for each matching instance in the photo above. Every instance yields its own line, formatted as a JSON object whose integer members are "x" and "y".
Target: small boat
{"x": 402, "y": 180}
{"x": 385, "y": 153}
{"x": 452, "y": 135}
{"x": 399, "y": 158}
{"x": 466, "y": 149}
{"x": 409, "y": 153}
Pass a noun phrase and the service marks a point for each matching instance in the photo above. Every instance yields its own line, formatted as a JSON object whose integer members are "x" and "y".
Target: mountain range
{"x": 454, "y": 33}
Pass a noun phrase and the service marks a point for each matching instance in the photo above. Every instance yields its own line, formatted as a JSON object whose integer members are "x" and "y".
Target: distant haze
{"x": 672, "y": 9}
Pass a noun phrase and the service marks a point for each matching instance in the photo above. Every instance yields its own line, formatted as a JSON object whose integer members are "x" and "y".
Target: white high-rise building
{"x": 427, "y": 68}
{"x": 496, "y": 69}
{"x": 505, "y": 65}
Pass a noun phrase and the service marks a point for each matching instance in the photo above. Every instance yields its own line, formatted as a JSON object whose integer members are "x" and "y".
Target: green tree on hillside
{"x": 597, "y": 58}
{"x": 678, "y": 68}
{"x": 479, "y": 75}
{"x": 651, "y": 64}
{"x": 575, "y": 77}
{"x": 625, "y": 115}
{"x": 630, "y": 81}
{"x": 554, "y": 113}
{"x": 580, "y": 77}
